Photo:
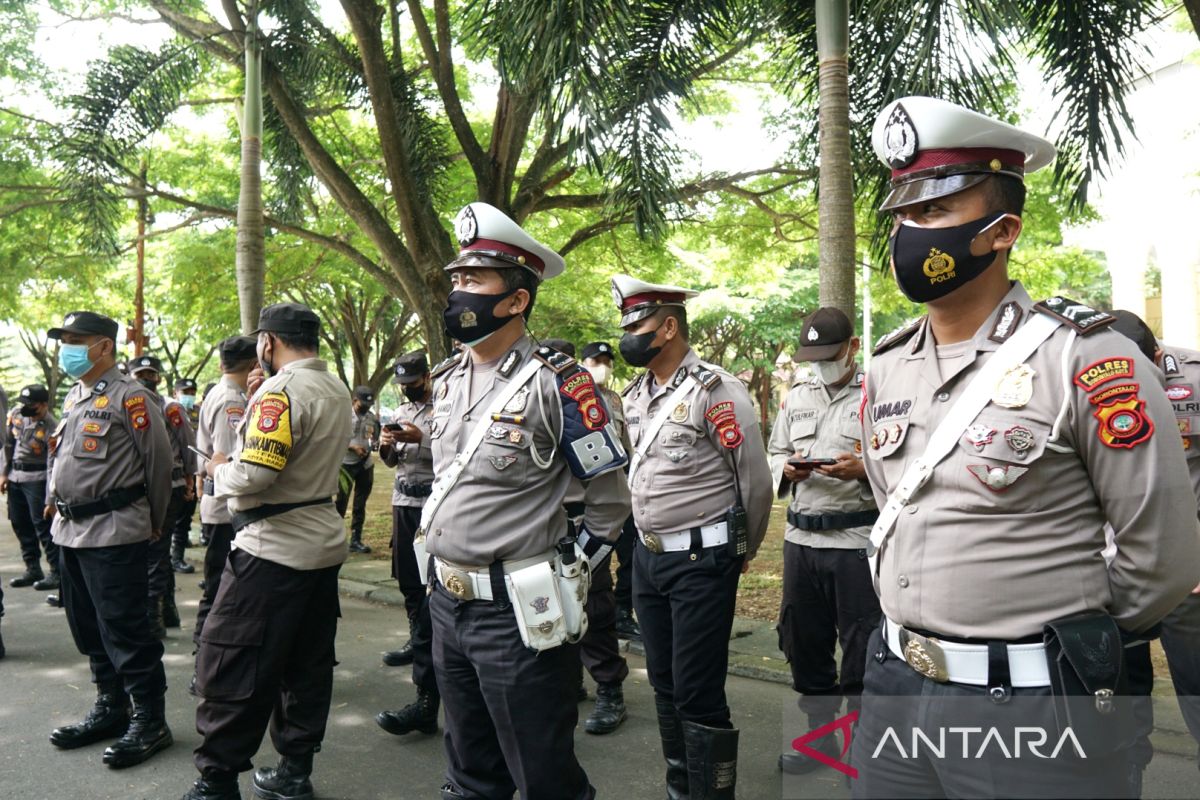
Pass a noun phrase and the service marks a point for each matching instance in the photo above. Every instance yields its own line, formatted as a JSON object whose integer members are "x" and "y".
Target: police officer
{"x": 597, "y": 358}
{"x": 405, "y": 444}
{"x": 220, "y": 420}
{"x": 1000, "y": 436}
{"x": 701, "y": 488}
{"x": 816, "y": 460}
{"x": 185, "y": 394}
{"x": 23, "y": 479}
{"x": 3, "y": 436}
{"x": 109, "y": 488}
{"x": 147, "y": 370}
{"x": 512, "y": 424}
{"x": 267, "y": 643}
{"x": 359, "y": 465}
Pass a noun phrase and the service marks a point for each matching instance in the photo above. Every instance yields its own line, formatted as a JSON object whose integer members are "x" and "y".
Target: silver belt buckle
{"x": 924, "y": 655}
{"x": 456, "y": 582}
{"x": 652, "y": 542}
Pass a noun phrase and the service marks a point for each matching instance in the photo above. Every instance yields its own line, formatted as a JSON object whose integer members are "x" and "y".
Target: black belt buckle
{"x": 63, "y": 509}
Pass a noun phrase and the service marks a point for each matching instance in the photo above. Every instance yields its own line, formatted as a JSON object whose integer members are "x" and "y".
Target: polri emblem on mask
{"x": 467, "y": 319}
{"x": 939, "y": 266}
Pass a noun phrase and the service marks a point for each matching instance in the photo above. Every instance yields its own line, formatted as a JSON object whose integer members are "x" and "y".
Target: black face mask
{"x": 470, "y": 317}
{"x": 933, "y": 262}
{"x": 149, "y": 384}
{"x": 264, "y": 363}
{"x": 635, "y": 348}
{"x": 28, "y": 411}
{"x": 415, "y": 392}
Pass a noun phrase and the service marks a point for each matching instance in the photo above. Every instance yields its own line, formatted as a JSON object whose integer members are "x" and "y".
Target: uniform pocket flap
{"x": 239, "y": 631}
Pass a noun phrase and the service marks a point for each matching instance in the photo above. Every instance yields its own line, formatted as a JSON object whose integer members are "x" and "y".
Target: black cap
{"x": 86, "y": 323}
{"x": 288, "y": 318}
{"x": 364, "y": 393}
{"x": 183, "y": 384}
{"x": 34, "y": 393}
{"x": 143, "y": 363}
{"x": 823, "y": 334}
{"x": 411, "y": 367}
{"x": 237, "y": 349}
{"x": 1134, "y": 327}
{"x": 596, "y": 350}
{"x": 561, "y": 345}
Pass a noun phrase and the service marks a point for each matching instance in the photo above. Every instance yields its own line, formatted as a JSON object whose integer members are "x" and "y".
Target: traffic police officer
{"x": 827, "y": 593}
{"x": 267, "y": 643}
{"x": 597, "y": 358}
{"x": 701, "y": 488}
{"x": 185, "y": 395}
{"x": 405, "y": 444}
{"x": 1001, "y": 435}
{"x": 23, "y": 479}
{"x": 109, "y": 488}
{"x": 511, "y": 424}
{"x": 220, "y": 422}
{"x": 147, "y": 370}
{"x": 359, "y": 465}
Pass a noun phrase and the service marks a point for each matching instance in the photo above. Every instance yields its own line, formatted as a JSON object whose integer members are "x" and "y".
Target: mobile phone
{"x": 201, "y": 453}
{"x": 809, "y": 463}
{"x": 396, "y": 427}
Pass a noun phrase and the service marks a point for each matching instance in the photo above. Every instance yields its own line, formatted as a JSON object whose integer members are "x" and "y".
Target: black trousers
{"x": 685, "y": 603}
{"x": 26, "y": 502}
{"x": 182, "y": 528}
{"x": 624, "y": 551}
{"x": 266, "y": 655}
{"x": 161, "y": 578}
{"x": 104, "y": 595}
{"x": 896, "y": 697}
{"x": 827, "y": 597}
{"x": 510, "y": 713}
{"x": 364, "y": 480}
{"x": 219, "y": 537}
{"x": 405, "y": 521}
{"x": 1181, "y": 643}
{"x": 599, "y": 649}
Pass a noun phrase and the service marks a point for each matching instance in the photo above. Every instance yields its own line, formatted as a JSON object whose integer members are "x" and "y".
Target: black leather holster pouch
{"x": 1089, "y": 683}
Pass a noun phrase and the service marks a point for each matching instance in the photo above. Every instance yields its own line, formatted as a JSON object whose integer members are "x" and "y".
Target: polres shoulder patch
{"x": 706, "y": 377}
{"x": 898, "y": 336}
{"x": 1082, "y": 318}
{"x": 557, "y": 361}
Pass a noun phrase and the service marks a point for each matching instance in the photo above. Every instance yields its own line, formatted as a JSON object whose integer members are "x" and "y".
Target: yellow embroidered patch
{"x": 268, "y": 440}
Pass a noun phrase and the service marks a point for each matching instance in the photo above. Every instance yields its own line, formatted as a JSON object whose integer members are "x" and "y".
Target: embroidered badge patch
{"x": 1178, "y": 392}
{"x": 268, "y": 441}
{"x": 101, "y": 402}
{"x": 1109, "y": 369}
{"x": 1123, "y": 423}
{"x": 90, "y": 445}
{"x": 724, "y": 419}
{"x": 174, "y": 416}
{"x": 502, "y": 463}
{"x": 138, "y": 416}
{"x": 582, "y": 389}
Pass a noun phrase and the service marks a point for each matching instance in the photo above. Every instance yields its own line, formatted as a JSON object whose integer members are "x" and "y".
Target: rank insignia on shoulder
{"x": 557, "y": 361}
{"x": 633, "y": 384}
{"x": 706, "y": 377}
{"x": 1007, "y": 322}
{"x": 898, "y": 336}
{"x": 509, "y": 363}
{"x": 100, "y": 387}
{"x": 1170, "y": 364}
{"x": 680, "y": 376}
{"x": 445, "y": 365}
{"x": 1084, "y": 319}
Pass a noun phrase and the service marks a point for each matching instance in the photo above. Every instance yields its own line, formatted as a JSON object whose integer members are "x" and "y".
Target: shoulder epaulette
{"x": 446, "y": 365}
{"x": 633, "y": 384}
{"x": 706, "y": 377}
{"x": 1170, "y": 364}
{"x": 898, "y": 336}
{"x": 1083, "y": 319}
{"x": 556, "y": 360}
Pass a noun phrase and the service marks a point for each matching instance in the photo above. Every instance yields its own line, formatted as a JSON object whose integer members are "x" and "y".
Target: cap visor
{"x": 929, "y": 189}
{"x": 56, "y": 333}
{"x": 818, "y": 352}
{"x": 407, "y": 379}
{"x": 639, "y": 314}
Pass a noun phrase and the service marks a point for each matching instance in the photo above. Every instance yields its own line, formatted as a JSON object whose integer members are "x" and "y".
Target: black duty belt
{"x": 575, "y": 509}
{"x": 414, "y": 489}
{"x": 831, "y": 522}
{"x": 257, "y": 514}
{"x": 29, "y": 466}
{"x": 112, "y": 501}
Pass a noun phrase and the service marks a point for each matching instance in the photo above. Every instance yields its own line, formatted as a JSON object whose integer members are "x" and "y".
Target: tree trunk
{"x": 250, "y": 260}
{"x": 1193, "y": 10}
{"x": 835, "y": 209}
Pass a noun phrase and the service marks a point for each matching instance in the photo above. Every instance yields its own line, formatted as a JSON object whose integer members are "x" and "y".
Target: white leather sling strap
{"x": 943, "y": 440}
{"x": 447, "y": 478}
{"x": 676, "y": 397}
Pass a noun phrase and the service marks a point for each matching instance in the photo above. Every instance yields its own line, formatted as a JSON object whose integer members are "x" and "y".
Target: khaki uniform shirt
{"x": 293, "y": 437}
{"x": 686, "y": 478}
{"x": 1182, "y": 371}
{"x": 182, "y": 438}
{"x": 220, "y": 423}
{"x": 111, "y": 436}
{"x": 28, "y": 446}
{"x": 413, "y": 461}
{"x": 505, "y": 506}
{"x": 998, "y": 561}
{"x": 364, "y": 432}
{"x": 819, "y": 426}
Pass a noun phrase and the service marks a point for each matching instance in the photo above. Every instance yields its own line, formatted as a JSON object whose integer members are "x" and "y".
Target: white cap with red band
{"x": 487, "y": 237}
{"x": 637, "y": 299}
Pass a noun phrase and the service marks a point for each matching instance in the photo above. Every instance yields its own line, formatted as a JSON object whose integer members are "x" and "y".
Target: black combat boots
{"x": 356, "y": 544}
{"x": 419, "y": 716}
{"x": 289, "y": 780}
{"x": 33, "y": 574}
{"x": 108, "y": 719}
{"x": 797, "y": 763}
{"x": 398, "y": 658}
{"x": 170, "y": 612}
{"x": 670, "y": 730}
{"x": 147, "y": 734}
{"x": 711, "y": 761}
{"x": 215, "y": 786}
{"x": 154, "y": 618}
{"x": 49, "y": 583}
{"x": 609, "y": 712}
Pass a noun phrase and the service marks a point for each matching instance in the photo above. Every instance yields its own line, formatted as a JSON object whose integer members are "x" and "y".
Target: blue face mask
{"x": 74, "y": 360}
{"x": 188, "y": 401}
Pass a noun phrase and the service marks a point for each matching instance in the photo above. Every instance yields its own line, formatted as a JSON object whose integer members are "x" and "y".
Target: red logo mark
{"x": 846, "y": 723}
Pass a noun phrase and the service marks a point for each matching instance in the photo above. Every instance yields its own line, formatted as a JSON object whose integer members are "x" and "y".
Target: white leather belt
{"x": 710, "y": 536}
{"x": 475, "y": 583}
{"x": 952, "y": 662}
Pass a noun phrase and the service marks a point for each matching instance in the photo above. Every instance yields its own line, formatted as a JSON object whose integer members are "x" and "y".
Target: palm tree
{"x": 251, "y": 263}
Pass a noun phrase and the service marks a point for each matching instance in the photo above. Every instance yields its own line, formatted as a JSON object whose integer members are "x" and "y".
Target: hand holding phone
{"x": 200, "y": 453}
{"x": 811, "y": 463}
